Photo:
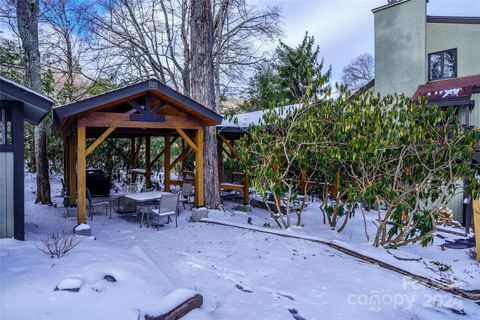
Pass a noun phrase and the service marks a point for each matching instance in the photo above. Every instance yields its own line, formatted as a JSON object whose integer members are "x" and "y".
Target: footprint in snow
{"x": 239, "y": 287}
{"x": 295, "y": 314}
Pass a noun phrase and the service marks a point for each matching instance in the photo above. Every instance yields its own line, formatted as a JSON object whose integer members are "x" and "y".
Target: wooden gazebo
{"x": 145, "y": 109}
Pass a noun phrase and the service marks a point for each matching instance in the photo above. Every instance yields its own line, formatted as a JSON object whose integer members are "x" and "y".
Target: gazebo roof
{"x": 167, "y": 102}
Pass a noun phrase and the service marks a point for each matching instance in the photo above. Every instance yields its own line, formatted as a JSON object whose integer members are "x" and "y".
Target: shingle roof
{"x": 462, "y": 87}
{"x": 36, "y": 106}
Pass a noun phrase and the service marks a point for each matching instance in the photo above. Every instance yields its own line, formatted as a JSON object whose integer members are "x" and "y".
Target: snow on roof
{"x": 448, "y": 88}
{"x": 30, "y": 91}
{"x": 244, "y": 120}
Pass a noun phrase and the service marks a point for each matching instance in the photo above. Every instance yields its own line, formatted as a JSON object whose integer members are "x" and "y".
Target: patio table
{"x": 145, "y": 197}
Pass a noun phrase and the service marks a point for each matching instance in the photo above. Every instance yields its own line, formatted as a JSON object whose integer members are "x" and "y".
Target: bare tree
{"x": 67, "y": 49}
{"x": 203, "y": 90}
{"x": 359, "y": 72}
{"x": 240, "y": 32}
{"x": 152, "y": 38}
{"x": 27, "y": 19}
{"x": 141, "y": 36}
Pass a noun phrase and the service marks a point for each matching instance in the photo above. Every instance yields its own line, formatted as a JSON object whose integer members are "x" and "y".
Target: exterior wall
{"x": 475, "y": 113}
{"x": 456, "y": 203}
{"x": 464, "y": 37}
{"x": 6, "y": 195}
{"x": 11, "y": 176}
{"x": 400, "y": 47}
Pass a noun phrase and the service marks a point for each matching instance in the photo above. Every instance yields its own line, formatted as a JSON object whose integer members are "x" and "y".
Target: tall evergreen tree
{"x": 286, "y": 80}
{"x": 300, "y": 66}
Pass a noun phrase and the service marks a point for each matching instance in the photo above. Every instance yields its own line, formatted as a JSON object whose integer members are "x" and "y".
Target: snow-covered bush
{"x": 58, "y": 244}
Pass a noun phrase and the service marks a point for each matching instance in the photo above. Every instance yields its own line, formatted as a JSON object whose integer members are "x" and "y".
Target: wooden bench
{"x": 237, "y": 187}
{"x": 231, "y": 187}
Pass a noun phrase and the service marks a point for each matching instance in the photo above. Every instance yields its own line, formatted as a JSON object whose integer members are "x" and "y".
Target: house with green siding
{"x": 437, "y": 57}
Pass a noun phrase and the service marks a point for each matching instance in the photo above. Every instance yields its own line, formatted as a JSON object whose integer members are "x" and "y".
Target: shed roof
{"x": 36, "y": 106}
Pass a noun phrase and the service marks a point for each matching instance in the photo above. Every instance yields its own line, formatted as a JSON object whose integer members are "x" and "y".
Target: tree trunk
{"x": 203, "y": 90}
{"x": 27, "y": 19}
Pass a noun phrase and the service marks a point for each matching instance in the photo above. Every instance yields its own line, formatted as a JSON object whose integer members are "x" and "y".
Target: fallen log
{"x": 177, "y": 304}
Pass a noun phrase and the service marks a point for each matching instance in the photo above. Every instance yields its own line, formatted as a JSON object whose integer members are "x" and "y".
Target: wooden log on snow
{"x": 172, "y": 310}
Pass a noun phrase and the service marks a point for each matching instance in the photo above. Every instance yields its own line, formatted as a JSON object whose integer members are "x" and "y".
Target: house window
{"x": 443, "y": 64}
{"x": 5, "y": 127}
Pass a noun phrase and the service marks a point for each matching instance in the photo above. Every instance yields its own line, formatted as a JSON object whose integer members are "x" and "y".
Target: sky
{"x": 344, "y": 28}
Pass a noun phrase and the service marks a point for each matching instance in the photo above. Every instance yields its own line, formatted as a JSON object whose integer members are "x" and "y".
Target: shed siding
{"x": 6, "y": 195}
{"x": 456, "y": 203}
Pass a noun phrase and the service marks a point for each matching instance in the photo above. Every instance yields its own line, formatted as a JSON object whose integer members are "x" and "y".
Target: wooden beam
{"x": 72, "y": 181}
{"x": 161, "y": 153}
{"x": 227, "y": 152}
{"x": 476, "y": 225}
{"x": 99, "y": 140}
{"x": 114, "y": 147}
{"x": 159, "y": 107}
{"x": 135, "y": 105}
{"x": 148, "y": 167}
{"x": 167, "y": 163}
{"x": 157, "y": 157}
{"x": 182, "y": 156}
{"x": 184, "y": 166}
{"x": 81, "y": 175}
{"x": 122, "y": 120}
{"x": 199, "y": 188}
{"x": 230, "y": 146}
{"x": 187, "y": 139}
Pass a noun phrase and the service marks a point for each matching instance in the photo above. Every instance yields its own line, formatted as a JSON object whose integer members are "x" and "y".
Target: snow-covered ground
{"x": 463, "y": 272}
{"x": 241, "y": 274}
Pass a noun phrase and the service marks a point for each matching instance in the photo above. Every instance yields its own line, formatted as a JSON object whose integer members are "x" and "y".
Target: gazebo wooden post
{"x": 220, "y": 160}
{"x": 66, "y": 145}
{"x": 199, "y": 188}
{"x": 246, "y": 193}
{"x": 148, "y": 168}
{"x": 133, "y": 157}
{"x": 81, "y": 174}
{"x": 167, "y": 163}
{"x": 184, "y": 164}
{"x": 72, "y": 161}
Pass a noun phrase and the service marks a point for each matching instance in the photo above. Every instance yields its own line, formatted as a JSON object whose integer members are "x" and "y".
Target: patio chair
{"x": 137, "y": 186}
{"x": 167, "y": 208}
{"x": 92, "y": 205}
{"x": 186, "y": 193}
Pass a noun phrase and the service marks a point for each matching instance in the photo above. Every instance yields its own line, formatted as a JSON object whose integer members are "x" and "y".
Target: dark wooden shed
{"x": 17, "y": 104}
